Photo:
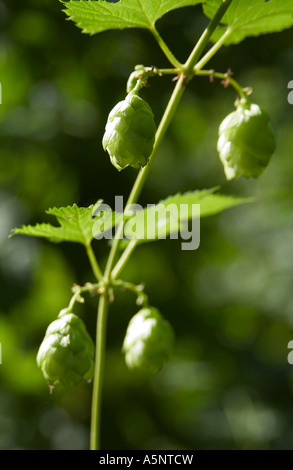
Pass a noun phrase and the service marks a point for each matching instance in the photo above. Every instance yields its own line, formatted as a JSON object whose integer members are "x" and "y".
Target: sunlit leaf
{"x": 99, "y": 15}
{"x": 76, "y": 225}
{"x": 251, "y": 18}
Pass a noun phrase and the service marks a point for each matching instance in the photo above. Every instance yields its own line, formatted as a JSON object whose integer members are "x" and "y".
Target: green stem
{"x": 74, "y": 298}
{"x": 213, "y": 50}
{"x": 170, "y": 56}
{"x": 138, "y": 290}
{"x": 176, "y": 71}
{"x": 243, "y": 92}
{"x": 94, "y": 263}
{"x": 205, "y": 37}
{"x": 123, "y": 259}
{"x": 99, "y": 371}
{"x": 153, "y": 71}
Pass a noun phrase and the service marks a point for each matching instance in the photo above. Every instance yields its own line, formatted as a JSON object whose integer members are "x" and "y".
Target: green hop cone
{"x": 130, "y": 133}
{"x": 148, "y": 342}
{"x": 246, "y": 141}
{"x": 66, "y": 355}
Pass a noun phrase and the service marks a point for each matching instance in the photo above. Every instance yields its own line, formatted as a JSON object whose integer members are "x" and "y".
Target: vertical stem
{"x": 99, "y": 371}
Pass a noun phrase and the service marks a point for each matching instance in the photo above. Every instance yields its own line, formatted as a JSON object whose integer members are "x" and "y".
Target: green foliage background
{"x": 229, "y": 384}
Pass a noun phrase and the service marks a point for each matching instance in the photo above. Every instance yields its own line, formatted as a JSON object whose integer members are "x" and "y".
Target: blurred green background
{"x": 229, "y": 384}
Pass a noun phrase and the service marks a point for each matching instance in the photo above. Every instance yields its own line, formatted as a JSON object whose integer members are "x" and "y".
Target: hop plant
{"x": 66, "y": 355}
{"x": 148, "y": 342}
{"x": 130, "y": 132}
{"x": 246, "y": 141}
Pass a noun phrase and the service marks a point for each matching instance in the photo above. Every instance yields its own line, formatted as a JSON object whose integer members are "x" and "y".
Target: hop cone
{"x": 246, "y": 141}
{"x": 148, "y": 342}
{"x": 130, "y": 133}
{"x": 66, "y": 355}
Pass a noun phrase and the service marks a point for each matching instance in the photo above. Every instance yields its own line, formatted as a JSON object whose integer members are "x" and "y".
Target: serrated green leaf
{"x": 251, "y": 18}
{"x": 76, "y": 224}
{"x": 171, "y": 216}
{"x": 94, "y": 16}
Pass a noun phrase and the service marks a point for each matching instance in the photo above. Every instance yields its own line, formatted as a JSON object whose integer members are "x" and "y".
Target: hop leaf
{"x": 66, "y": 355}
{"x": 94, "y": 16}
{"x": 246, "y": 141}
{"x": 130, "y": 133}
{"x": 148, "y": 342}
